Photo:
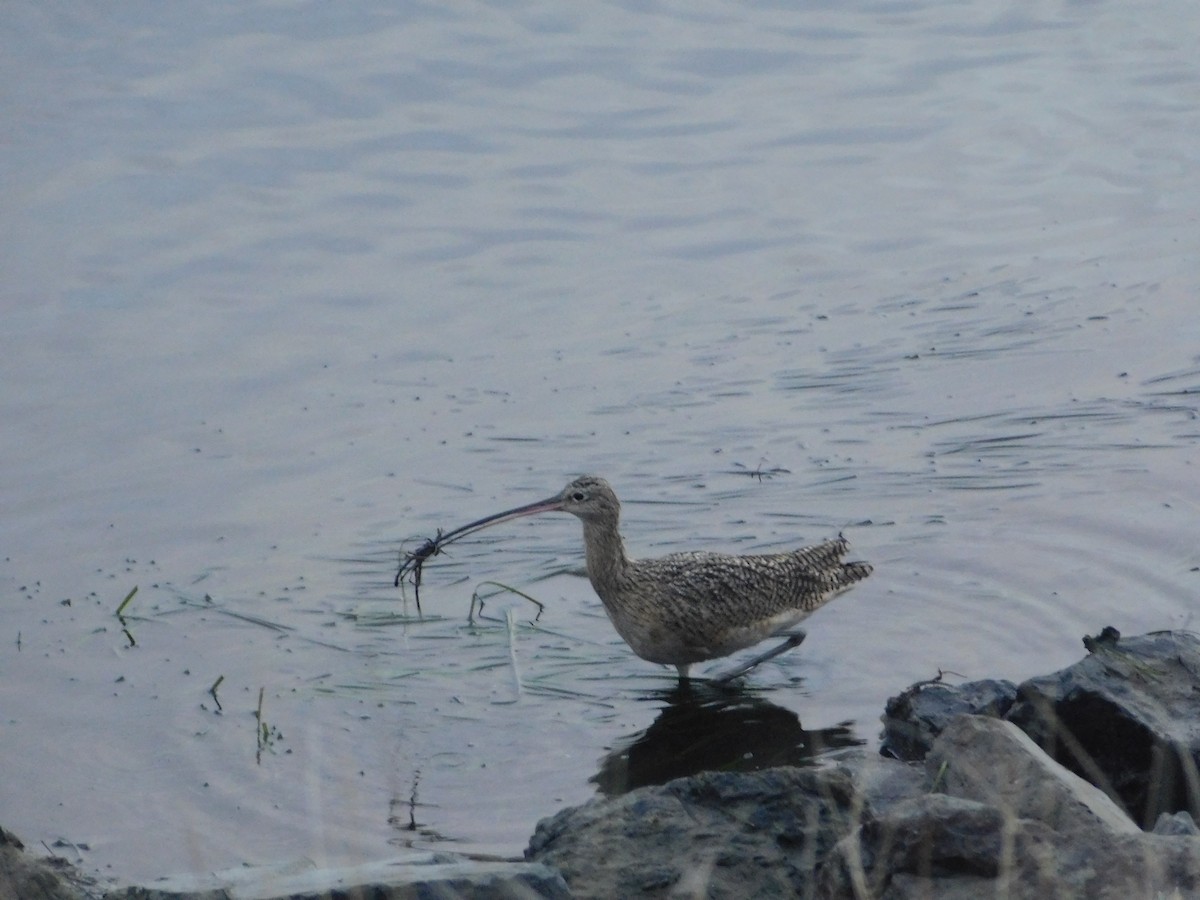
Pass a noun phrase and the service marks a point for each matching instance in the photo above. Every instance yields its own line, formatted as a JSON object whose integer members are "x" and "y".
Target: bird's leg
{"x": 683, "y": 671}
{"x": 793, "y": 640}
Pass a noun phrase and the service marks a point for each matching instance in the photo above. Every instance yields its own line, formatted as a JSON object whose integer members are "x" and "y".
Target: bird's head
{"x": 590, "y": 498}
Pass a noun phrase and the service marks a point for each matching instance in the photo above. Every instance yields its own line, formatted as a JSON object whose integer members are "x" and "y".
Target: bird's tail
{"x": 852, "y": 572}
{"x": 840, "y": 575}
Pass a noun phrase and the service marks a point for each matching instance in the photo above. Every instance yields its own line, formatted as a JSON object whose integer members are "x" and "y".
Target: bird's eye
{"x": 579, "y": 496}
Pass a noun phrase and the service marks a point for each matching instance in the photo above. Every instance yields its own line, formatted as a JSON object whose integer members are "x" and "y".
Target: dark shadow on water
{"x": 704, "y": 728}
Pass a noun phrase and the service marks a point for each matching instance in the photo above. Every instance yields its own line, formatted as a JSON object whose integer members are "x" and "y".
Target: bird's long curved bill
{"x": 529, "y": 509}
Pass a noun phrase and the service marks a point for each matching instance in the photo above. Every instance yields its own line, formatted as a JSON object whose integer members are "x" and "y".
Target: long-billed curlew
{"x": 686, "y": 608}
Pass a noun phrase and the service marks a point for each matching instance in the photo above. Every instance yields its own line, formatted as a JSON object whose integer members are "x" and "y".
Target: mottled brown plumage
{"x": 686, "y": 608}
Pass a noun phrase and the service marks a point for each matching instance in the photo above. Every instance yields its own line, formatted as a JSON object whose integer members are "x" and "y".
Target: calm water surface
{"x": 285, "y": 285}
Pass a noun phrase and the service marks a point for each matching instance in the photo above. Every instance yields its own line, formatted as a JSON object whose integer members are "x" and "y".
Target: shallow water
{"x": 284, "y": 287}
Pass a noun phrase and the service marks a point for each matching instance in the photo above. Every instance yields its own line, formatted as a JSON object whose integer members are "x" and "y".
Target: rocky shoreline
{"x": 1082, "y": 783}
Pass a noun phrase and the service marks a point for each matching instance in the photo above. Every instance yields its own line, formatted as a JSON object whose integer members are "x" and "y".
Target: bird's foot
{"x": 792, "y": 641}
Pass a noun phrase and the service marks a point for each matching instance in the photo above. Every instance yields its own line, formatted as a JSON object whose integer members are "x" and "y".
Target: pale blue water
{"x": 285, "y": 285}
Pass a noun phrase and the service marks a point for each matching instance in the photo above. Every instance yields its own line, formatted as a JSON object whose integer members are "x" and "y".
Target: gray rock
{"x": 1126, "y": 718}
{"x": 1180, "y": 824}
{"x": 919, "y": 841}
{"x": 913, "y": 719}
{"x": 714, "y": 835}
{"x": 1012, "y": 822}
{"x": 995, "y": 816}
{"x": 23, "y": 877}
{"x": 880, "y": 781}
{"x": 414, "y": 877}
{"x": 947, "y": 848}
{"x": 994, "y": 762}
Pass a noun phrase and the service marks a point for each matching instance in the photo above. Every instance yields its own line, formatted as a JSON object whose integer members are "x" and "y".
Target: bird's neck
{"x": 606, "y": 560}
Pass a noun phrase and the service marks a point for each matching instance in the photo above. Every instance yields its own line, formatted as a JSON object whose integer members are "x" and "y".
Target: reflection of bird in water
{"x": 686, "y": 608}
{"x": 715, "y": 729}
